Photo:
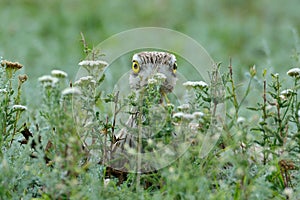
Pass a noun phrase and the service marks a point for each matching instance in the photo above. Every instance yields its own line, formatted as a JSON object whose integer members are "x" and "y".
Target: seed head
{"x": 11, "y": 65}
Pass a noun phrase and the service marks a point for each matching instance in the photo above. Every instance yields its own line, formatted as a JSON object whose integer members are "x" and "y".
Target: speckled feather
{"x": 155, "y": 57}
{"x": 151, "y": 63}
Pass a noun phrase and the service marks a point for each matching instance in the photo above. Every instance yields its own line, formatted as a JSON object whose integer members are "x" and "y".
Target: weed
{"x": 66, "y": 149}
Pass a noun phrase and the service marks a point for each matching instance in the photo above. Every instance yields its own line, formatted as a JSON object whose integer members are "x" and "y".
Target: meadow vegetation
{"x": 47, "y": 121}
{"x": 44, "y": 153}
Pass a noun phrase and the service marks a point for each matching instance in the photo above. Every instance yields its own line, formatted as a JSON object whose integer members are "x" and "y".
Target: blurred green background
{"x": 45, "y": 35}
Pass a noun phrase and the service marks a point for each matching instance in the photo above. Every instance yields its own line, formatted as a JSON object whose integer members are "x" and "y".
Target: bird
{"x": 145, "y": 66}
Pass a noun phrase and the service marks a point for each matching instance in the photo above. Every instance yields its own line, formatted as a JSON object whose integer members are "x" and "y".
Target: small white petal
{"x": 198, "y": 114}
{"x": 188, "y": 116}
{"x": 195, "y": 84}
{"x": 106, "y": 182}
{"x": 92, "y": 63}
{"x": 294, "y": 72}
{"x": 276, "y": 75}
{"x": 85, "y": 80}
{"x": 178, "y": 115}
{"x": 152, "y": 81}
{"x": 160, "y": 77}
{"x": 59, "y": 73}
{"x": 71, "y": 91}
{"x": 19, "y": 107}
{"x": 240, "y": 120}
{"x": 183, "y": 107}
{"x": 48, "y": 78}
{"x": 183, "y": 116}
{"x": 287, "y": 92}
{"x": 283, "y": 97}
{"x": 3, "y": 91}
{"x": 288, "y": 192}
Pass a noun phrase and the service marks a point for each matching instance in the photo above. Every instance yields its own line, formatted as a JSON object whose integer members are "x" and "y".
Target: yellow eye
{"x": 135, "y": 67}
{"x": 174, "y": 67}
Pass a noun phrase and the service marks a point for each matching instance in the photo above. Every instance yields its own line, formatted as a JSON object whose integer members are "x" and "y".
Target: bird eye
{"x": 174, "y": 67}
{"x": 135, "y": 67}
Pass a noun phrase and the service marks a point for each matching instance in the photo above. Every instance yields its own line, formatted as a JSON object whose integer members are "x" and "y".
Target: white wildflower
{"x": 48, "y": 81}
{"x": 83, "y": 81}
{"x": 160, "y": 77}
{"x": 198, "y": 114}
{"x": 178, "y": 115}
{"x": 106, "y": 182}
{"x": 195, "y": 84}
{"x": 47, "y": 78}
{"x": 171, "y": 170}
{"x": 3, "y": 91}
{"x": 170, "y": 105}
{"x": 92, "y": 63}
{"x": 183, "y": 107}
{"x": 152, "y": 81}
{"x": 188, "y": 116}
{"x": 288, "y": 192}
{"x": 93, "y": 82}
{"x": 182, "y": 115}
{"x": 294, "y": 72}
{"x": 19, "y": 107}
{"x": 240, "y": 120}
{"x": 150, "y": 141}
{"x": 287, "y": 92}
{"x": 282, "y": 97}
{"x": 194, "y": 126}
{"x": 71, "y": 91}
{"x": 59, "y": 73}
{"x": 276, "y": 75}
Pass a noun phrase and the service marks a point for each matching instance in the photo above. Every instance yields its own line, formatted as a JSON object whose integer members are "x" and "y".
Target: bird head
{"x": 146, "y": 65}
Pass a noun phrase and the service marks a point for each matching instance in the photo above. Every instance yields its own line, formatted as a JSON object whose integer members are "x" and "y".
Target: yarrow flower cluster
{"x": 84, "y": 81}
{"x": 19, "y": 107}
{"x": 152, "y": 81}
{"x": 160, "y": 77}
{"x": 240, "y": 120}
{"x": 198, "y": 115}
{"x": 71, "y": 91}
{"x": 59, "y": 73}
{"x": 93, "y": 63}
{"x": 4, "y": 91}
{"x": 286, "y": 93}
{"x": 195, "y": 84}
{"x": 187, "y": 116}
{"x": 294, "y": 72}
{"x": 183, "y": 107}
{"x": 48, "y": 81}
{"x": 178, "y": 115}
{"x": 94, "y": 67}
{"x": 288, "y": 192}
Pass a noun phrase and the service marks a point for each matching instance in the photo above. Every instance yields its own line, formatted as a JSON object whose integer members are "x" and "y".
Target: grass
{"x": 44, "y": 152}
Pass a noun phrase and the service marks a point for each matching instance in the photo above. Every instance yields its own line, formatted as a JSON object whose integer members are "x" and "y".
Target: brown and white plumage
{"x": 144, "y": 66}
{"x": 150, "y": 64}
